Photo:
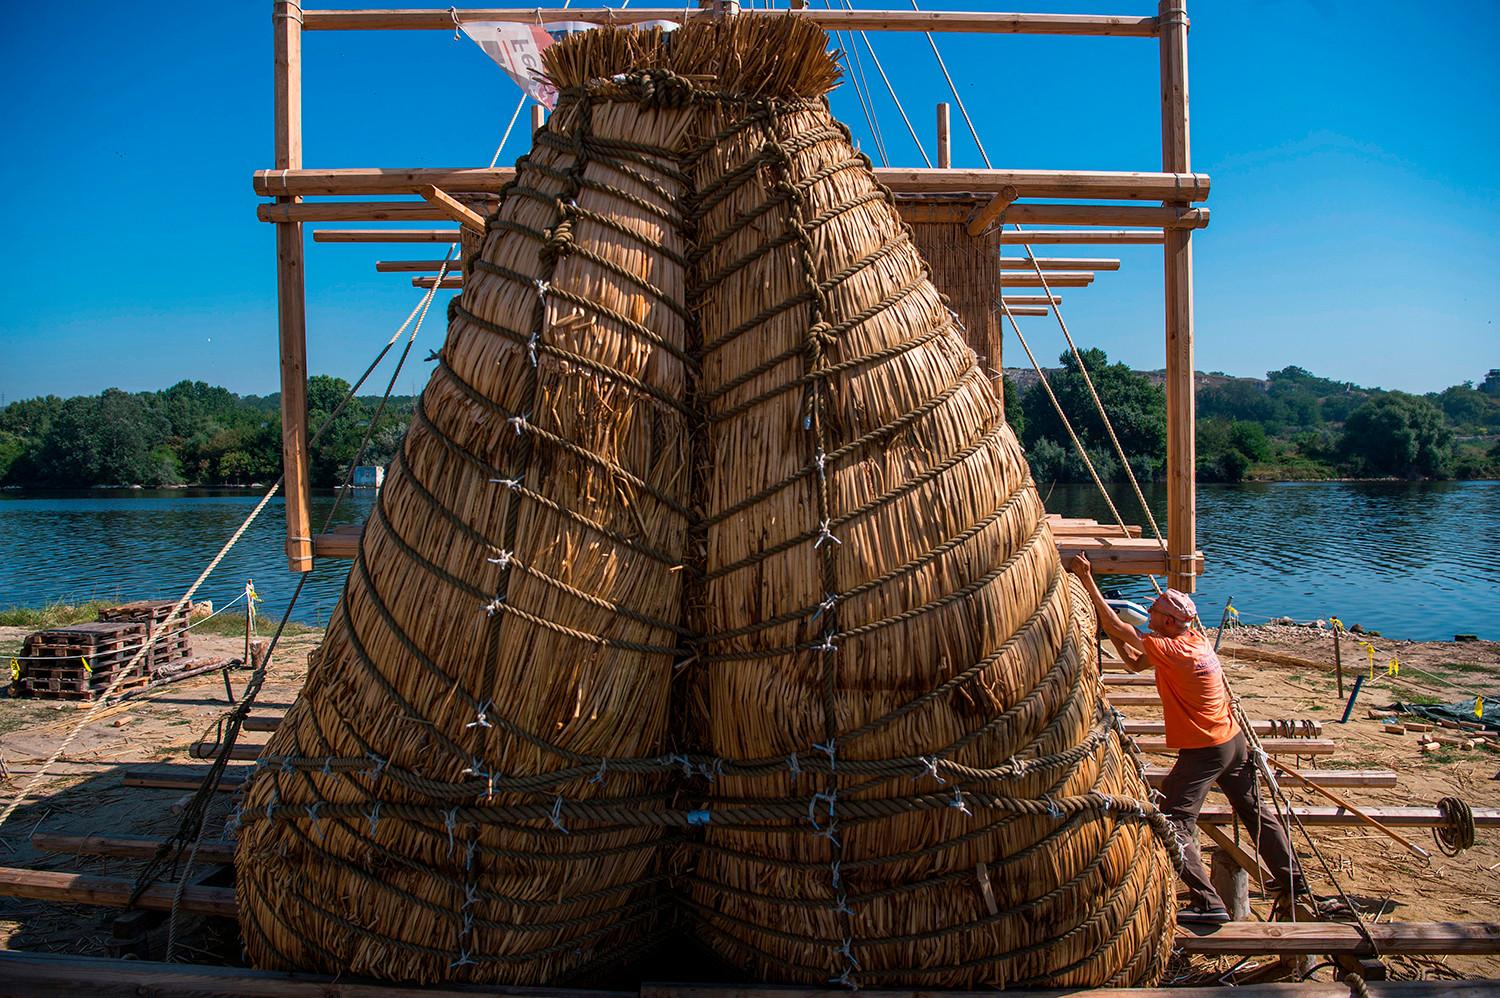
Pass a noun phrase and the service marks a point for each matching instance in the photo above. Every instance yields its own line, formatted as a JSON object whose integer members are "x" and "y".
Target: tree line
{"x": 1292, "y": 425}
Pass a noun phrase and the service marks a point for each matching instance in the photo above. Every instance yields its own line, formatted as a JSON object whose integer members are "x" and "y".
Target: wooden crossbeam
{"x": 173, "y": 776}
{"x": 1023, "y": 310}
{"x": 1324, "y": 938}
{"x": 1079, "y": 184}
{"x": 459, "y": 212}
{"x": 1325, "y": 777}
{"x": 1273, "y": 746}
{"x": 127, "y": 846}
{"x": 1032, "y": 299}
{"x": 1133, "y": 699}
{"x": 1305, "y": 727}
{"x": 385, "y": 235}
{"x": 412, "y": 266}
{"x": 1058, "y": 263}
{"x": 967, "y": 22}
{"x": 113, "y": 892}
{"x": 1082, "y": 237}
{"x": 1056, "y": 279}
{"x": 29, "y": 974}
{"x": 450, "y": 283}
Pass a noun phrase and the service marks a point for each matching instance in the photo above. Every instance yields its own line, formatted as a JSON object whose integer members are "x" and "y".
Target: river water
{"x": 1412, "y": 560}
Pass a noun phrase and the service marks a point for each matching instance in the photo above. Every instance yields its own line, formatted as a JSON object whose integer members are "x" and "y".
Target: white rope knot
{"x": 842, "y": 904}
{"x": 846, "y": 951}
{"x": 493, "y": 606}
{"x": 794, "y": 765}
{"x": 825, "y": 535}
{"x": 450, "y": 820}
{"x": 327, "y": 769}
{"x": 312, "y": 815}
{"x": 506, "y": 557}
{"x": 468, "y": 926}
{"x": 830, "y": 799}
{"x": 959, "y": 804}
{"x": 481, "y": 719}
{"x": 519, "y": 423}
{"x": 464, "y": 960}
{"x": 830, "y": 749}
{"x": 834, "y": 876}
{"x": 599, "y": 776}
{"x": 542, "y": 287}
{"x": 374, "y": 816}
{"x": 469, "y": 848}
{"x": 1053, "y": 811}
{"x": 821, "y": 460}
{"x": 471, "y": 894}
{"x": 377, "y": 764}
{"x": 286, "y": 765}
{"x": 511, "y": 483}
{"x": 555, "y": 816}
{"x": 827, "y": 647}
{"x": 532, "y": 342}
{"x": 929, "y": 768}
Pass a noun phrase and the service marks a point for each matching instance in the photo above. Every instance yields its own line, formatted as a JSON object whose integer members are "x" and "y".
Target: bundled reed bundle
{"x": 440, "y": 801}
{"x": 700, "y": 403}
{"x": 887, "y": 635}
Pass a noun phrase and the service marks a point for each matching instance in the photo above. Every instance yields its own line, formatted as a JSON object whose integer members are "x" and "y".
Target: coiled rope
{"x": 1458, "y": 833}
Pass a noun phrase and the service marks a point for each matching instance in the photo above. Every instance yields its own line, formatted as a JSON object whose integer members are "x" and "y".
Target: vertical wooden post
{"x": 1182, "y": 509}
{"x": 286, "y": 18}
{"x": 944, "y": 139}
{"x": 538, "y": 118}
{"x": 1338, "y": 658}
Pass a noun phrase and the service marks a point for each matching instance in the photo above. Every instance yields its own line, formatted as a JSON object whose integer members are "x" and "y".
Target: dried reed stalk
{"x": 418, "y": 688}
{"x": 861, "y": 485}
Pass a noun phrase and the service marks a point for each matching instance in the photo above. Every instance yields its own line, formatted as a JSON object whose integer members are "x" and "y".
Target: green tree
{"x": 1136, "y": 407}
{"x": 329, "y": 458}
{"x": 1013, "y": 413}
{"x": 1398, "y": 434}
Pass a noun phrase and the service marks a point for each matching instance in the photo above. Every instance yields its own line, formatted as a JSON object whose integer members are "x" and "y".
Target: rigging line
{"x": 867, "y": 98}
{"x": 1088, "y": 463}
{"x": 954, "y": 88}
{"x": 899, "y": 106}
{"x": 1057, "y": 311}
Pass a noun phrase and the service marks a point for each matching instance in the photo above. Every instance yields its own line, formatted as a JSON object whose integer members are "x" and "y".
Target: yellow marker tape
{"x": 1233, "y": 612}
{"x": 1393, "y": 667}
{"x": 1369, "y": 648}
{"x": 15, "y": 670}
{"x": 1479, "y": 706}
{"x": 1338, "y": 625}
{"x": 86, "y": 668}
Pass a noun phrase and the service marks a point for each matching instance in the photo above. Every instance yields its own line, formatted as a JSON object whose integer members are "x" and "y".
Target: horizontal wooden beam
{"x": 30, "y": 974}
{"x": 1326, "y": 938}
{"x": 1395, "y": 817}
{"x": 451, "y": 283}
{"x": 1110, "y": 555}
{"x": 1081, "y": 237}
{"x": 128, "y": 846}
{"x": 1032, "y": 299}
{"x": 1076, "y": 184}
{"x": 1273, "y": 746}
{"x": 1306, "y": 729}
{"x": 948, "y": 21}
{"x": 385, "y": 235}
{"x": 1024, "y": 310}
{"x": 1120, "y": 555}
{"x": 1056, "y": 279}
{"x": 1093, "y": 530}
{"x": 351, "y": 211}
{"x": 1107, "y": 214}
{"x": 1057, "y": 263}
{"x": 176, "y": 776}
{"x": 1129, "y": 679}
{"x": 113, "y": 892}
{"x": 1325, "y": 777}
{"x": 412, "y": 266}
{"x": 1123, "y": 700}
{"x": 461, "y": 213}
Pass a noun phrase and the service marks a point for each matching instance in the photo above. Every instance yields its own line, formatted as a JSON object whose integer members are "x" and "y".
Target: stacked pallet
{"x": 170, "y": 646}
{"x": 81, "y": 661}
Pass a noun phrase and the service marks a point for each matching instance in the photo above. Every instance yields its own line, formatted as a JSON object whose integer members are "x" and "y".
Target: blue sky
{"x": 1356, "y": 222}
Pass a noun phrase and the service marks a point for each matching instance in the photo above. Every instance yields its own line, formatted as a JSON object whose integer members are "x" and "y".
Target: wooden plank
{"x": 944, "y": 138}
{"x": 1024, "y": 310}
{"x": 1079, "y": 184}
{"x": 453, "y": 283}
{"x": 1337, "y": 817}
{"x": 1094, "y": 530}
{"x": 127, "y": 846}
{"x": 992, "y": 211}
{"x": 1058, "y": 263}
{"x": 968, "y": 22}
{"x": 1307, "y": 728}
{"x": 175, "y": 776}
{"x": 385, "y": 235}
{"x": 57, "y": 975}
{"x": 1274, "y": 746}
{"x": 1133, "y": 699}
{"x": 465, "y": 216}
{"x": 241, "y": 752}
{"x": 1082, "y": 237}
{"x": 1120, "y": 555}
{"x": 1129, "y": 679}
{"x": 1308, "y": 989}
{"x": 340, "y": 542}
{"x": 1322, "y": 938}
{"x": 413, "y": 266}
{"x": 1326, "y": 777}
{"x": 291, "y": 298}
{"x": 1170, "y": 217}
{"x": 1059, "y": 279}
{"x": 1031, "y": 299}
{"x": 113, "y": 892}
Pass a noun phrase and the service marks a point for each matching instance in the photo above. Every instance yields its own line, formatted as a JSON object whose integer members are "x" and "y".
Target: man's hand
{"x": 1079, "y": 565}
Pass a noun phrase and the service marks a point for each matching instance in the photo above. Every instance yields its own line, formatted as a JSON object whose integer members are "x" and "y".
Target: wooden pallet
{"x": 53, "y": 661}
{"x": 168, "y": 645}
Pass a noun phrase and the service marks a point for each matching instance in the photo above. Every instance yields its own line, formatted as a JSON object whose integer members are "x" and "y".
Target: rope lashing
{"x": 1457, "y": 831}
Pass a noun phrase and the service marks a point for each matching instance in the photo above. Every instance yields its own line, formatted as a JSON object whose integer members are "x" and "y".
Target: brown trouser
{"x": 1230, "y": 766}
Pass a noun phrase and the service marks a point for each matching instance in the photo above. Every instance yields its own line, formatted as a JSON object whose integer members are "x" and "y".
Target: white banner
{"x": 518, "y": 48}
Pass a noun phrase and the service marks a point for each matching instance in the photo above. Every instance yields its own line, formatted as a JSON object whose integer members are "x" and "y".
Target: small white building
{"x": 368, "y": 476}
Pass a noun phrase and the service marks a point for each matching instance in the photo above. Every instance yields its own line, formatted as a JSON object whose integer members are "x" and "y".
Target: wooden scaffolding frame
{"x": 991, "y": 193}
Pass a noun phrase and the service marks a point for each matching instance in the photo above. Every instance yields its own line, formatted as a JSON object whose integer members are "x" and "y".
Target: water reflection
{"x": 1411, "y": 559}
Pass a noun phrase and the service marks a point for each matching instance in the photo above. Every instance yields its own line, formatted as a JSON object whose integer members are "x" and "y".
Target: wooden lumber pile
{"x": 170, "y": 646}
{"x": 81, "y": 661}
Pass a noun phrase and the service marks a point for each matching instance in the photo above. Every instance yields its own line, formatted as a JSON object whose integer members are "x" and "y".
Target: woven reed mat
{"x": 701, "y": 404}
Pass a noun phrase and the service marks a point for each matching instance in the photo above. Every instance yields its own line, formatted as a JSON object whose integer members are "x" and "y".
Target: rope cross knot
{"x": 825, "y": 535}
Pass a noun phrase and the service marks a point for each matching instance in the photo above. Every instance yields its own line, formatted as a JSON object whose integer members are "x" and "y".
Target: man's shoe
{"x": 1203, "y": 915}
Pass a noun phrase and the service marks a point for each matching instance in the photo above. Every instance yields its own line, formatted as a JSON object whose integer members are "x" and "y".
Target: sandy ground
{"x": 83, "y": 792}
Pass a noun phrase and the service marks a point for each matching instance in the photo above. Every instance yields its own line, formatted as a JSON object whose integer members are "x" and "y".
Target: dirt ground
{"x": 1278, "y": 671}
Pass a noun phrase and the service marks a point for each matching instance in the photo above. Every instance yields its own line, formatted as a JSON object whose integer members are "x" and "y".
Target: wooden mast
{"x": 944, "y": 139}
{"x": 1182, "y": 510}
{"x": 286, "y": 19}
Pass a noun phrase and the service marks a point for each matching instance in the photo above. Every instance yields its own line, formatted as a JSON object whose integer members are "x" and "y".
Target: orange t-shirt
{"x": 1191, "y": 683}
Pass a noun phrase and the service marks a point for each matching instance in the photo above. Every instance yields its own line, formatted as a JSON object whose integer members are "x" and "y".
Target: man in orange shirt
{"x": 1211, "y": 748}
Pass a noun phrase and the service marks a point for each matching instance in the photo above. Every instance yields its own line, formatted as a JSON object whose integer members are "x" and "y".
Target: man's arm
{"x": 1126, "y": 640}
